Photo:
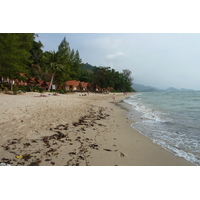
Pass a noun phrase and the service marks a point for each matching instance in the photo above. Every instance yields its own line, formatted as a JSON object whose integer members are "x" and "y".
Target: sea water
{"x": 170, "y": 119}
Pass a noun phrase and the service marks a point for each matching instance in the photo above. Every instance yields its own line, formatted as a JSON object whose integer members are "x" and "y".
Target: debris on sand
{"x": 68, "y": 141}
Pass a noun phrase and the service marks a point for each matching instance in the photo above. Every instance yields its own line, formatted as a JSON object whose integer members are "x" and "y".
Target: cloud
{"x": 116, "y": 55}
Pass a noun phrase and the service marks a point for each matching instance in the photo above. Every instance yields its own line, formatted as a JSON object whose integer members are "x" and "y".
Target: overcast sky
{"x": 156, "y": 59}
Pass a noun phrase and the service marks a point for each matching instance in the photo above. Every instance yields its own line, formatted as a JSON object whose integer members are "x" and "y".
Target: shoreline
{"x": 70, "y": 130}
{"x": 137, "y": 118}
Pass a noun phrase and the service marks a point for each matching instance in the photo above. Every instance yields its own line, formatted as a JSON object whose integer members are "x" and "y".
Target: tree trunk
{"x": 51, "y": 81}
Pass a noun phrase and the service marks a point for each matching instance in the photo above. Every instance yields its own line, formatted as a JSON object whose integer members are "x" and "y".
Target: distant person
{"x": 114, "y": 98}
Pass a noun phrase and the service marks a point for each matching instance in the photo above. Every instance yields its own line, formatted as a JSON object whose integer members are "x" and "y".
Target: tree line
{"x": 20, "y": 52}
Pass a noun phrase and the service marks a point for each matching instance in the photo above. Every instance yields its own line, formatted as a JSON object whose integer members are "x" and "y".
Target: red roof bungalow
{"x": 83, "y": 86}
{"x": 17, "y": 82}
{"x": 43, "y": 84}
{"x": 98, "y": 89}
{"x": 109, "y": 89}
{"x": 91, "y": 87}
{"x": 40, "y": 82}
{"x": 72, "y": 85}
{"x": 31, "y": 80}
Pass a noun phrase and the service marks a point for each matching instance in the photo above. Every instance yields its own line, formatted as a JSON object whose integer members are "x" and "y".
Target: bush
{"x": 15, "y": 89}
{"x": 22, "y": 88}
{"x": 41, "y": 90}
{"x": 5, "y": 89}
{"x": 62, "y": 91}
{"x": 113, "y": 90}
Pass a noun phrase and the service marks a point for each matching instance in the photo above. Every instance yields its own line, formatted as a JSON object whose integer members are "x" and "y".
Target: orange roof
{"x": 31, "y": 79}
{"x": 73, "y": 83}
{"x": 40, "y": 82}
{"x": 83, "y": 84}
{"x": 21, "y": 74}
{"x": 48, "y": 83}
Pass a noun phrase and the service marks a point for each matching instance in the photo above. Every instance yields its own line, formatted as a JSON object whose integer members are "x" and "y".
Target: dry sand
{"x": 74, "y": 130}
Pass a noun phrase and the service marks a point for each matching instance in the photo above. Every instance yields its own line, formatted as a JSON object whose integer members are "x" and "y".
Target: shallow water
{"x": 170, "y": 119}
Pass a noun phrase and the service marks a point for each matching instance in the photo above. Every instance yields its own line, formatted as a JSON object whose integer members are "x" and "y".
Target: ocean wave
{"x": 179, "y": 146}
{"x": 170, "y": 121}
{"x": 147, "y": 113}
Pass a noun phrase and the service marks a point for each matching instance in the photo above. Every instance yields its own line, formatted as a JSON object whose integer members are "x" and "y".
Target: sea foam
{"x": 170, "y": 120}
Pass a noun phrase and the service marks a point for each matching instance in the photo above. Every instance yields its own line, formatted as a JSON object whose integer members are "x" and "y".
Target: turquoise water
{"x": 170, "y": 119}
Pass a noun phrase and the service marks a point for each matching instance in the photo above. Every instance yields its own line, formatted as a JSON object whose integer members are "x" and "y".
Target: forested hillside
{"x": 19, "y": 52}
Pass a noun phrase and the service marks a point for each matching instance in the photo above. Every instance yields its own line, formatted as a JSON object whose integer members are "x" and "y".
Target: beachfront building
{"x": 72, "y": 85}
{"x": 43, "y": 84}
{"x": 91, "y": 87}
{"x": 19, "y": 82}
{"x": 83, "y": 86}
{"x": 12, "y": 81}
{"x": 4, "y": 80}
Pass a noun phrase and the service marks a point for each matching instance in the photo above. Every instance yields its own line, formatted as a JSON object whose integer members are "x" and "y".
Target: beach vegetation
{"x": 62, "y": 91}
{"x": 15, "y": 53}
{"x": 113, "y": 91}
{"x": 21, "y": 53}
{"x": 22, "y": 88}
{"x": 53, "y": 64}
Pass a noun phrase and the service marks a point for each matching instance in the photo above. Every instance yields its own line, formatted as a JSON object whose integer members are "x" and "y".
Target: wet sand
{"x": 74, "y": 130}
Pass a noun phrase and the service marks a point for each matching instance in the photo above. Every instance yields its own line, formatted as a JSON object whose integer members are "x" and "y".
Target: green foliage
{"x": 19, "y": 52}
{"x": 76, "y": 66}
{"x": 15, "y": 89}
{"x": 102, "y": 76}
{"x": 59, "y": 63}
{"x": 62, "y": 91}
{"x": 85, "y": 76}
{"x": 64, "y": 51}
{"x": 53, "y": 64}
{"x": 36, "y": 68}
{"x": 87, "y": 67}
{"x": 15, "y": 53}
{"x": 36, "y": 52}
{"x": 113, "y": 91}
{"x": 22, "y": 88}
{"x": 106, "y": 77}
{"x": 65, "y": 56}
{"x": 62, "y": 65}
{"x": 5, "y": 89}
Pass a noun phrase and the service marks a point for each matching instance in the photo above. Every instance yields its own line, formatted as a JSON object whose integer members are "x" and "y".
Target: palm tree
{"x": 54, "y": 64}
{"x": 59, "y": 63}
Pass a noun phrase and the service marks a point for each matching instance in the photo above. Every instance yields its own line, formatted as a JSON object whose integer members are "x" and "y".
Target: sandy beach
{"x": 74, "y": 130}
